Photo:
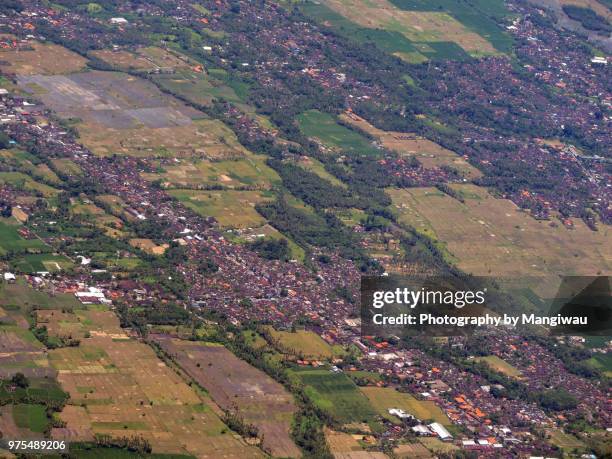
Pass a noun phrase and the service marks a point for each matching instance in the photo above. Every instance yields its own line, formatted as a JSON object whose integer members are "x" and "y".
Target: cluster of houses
{"x": 281, "y": 293}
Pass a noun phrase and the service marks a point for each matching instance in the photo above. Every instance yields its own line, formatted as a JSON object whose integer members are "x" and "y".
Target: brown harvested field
{"x": 20, "y": 351}
{"x": 10, "y": 430}
{"x": 123, "y": 114}
{"x": 19, "y": 214}
{"x": 62, "y": 324}
{"x": 419, "y": 26}
{"x": 201, "y": 138}
{"x": 346, "y": 446}
{"x": 78, "y": 431}
{"x": 490, "y": 236}
{"x": 238, "y": 387}
{"x": 40, "y": 58}
{"x": 429, "y": 154}
{"x": 124, "y": 389}
{"x": 125, "y": 60}
{"x": 149, "y": 58}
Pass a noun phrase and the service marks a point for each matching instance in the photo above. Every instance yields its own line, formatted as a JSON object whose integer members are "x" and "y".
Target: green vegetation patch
{"x": 389, "y": 41}
{"x": 41, "y": 390}
{"x": 588, "y": 18}
{"x": 11, "y": 240}
{"x": 248, "y": 171}
{"x": 25, "y": 297}
{"x": 563, "y": 440}
{"x": 43, "y": 262}
{"x": 480, "y": 16}
{"x": 325, "y": 127}
{"x": 32, "y": 417}
{"x": 336, "y": 394}
{"x": 93, "y": 451}
{"x": 602, "y": 362}
{"x": 202, "y": 88}
{"x": 25, "y": 182}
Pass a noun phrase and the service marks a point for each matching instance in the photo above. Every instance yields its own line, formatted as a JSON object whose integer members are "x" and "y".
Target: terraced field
{"x": 490, "y": 236}
{"x": 119, "y": 387}
{"x": 238, "y": 387}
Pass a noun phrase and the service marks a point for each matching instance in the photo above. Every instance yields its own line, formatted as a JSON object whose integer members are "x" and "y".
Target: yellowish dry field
{"x": 98, "y": 217}
{"x": 304, "y": 343}
{"x": 421, "y": 26}
{"x": 563, "y": 440}
{"x": 67, "y": 166}
{"x": 346, "y": 446}
{"x": 247, "y": 171}
{"x": 202, "y": 138}
{"x": 412, "y": 451}
{"x": 116, "y": 204}
{"x": 500, "y": 365}
{"x": 149, "y": 246}
{"x": 232, "y": 209}
{"x": 490, "y": 236}
{"x": 149, "y": 58}
{"x": 429, "y": 153}
{"x": 39, "y": 58}
{"x": 118, "y": 386}
{"x": 385, "y": 398}
{"x": 437, "y": 446}
{"x": 87, "y": 209}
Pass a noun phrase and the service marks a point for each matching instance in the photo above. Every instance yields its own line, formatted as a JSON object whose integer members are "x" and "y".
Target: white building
{"x": 400, "y": 413}
{"x": 421, "y": 430}
{"x": 440, "y": 431}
